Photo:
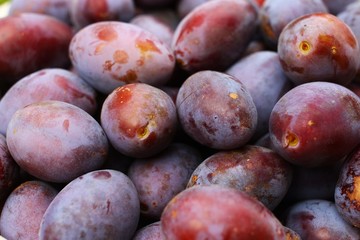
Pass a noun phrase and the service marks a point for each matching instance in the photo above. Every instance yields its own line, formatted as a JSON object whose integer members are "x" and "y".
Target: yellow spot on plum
{"x": 291, "y": 140}
{"x": 355, "y": 194}
{"x": 333, "y": 50}
{"x": 304, "y": 47}
{"x": 174, "y": 214}
{"x": 120, "y": 56}
{"x": 310, "y": 123}
{"x": 233, "y": 95}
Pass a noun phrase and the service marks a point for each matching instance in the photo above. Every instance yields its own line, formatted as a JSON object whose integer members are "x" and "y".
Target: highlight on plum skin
{"x": 139, "y": 120}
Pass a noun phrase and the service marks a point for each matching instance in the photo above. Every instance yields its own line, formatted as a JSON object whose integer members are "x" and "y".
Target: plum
{"x": 258, "y": 171}
{"x": 336, "y": 6}
{"x": 56, "y": 141}
{"x": 264, "y": 78}
{"x": 274, "y": 15}
{"x": 215, "y": 212}
{"x": 216, "y": 110}
{"x": 204, "y": 41}
{"x": 47, "y": 84}
{"x": 110, "y": 54}
{"x": 101, "y": 204}
{"x": 86, "y": 12}
{"x": 43, "y": 42}
{"x": 319, "y": 47}
{"x": 24, "y": 209}
{"x": 159, "y": 178}
{"x": 150, "y": 232}
{"x": 56, "y": 8}
{"x": 315, "y": 124}
{"x": 347, "y": 199}
{"x": 319, "y": 219}
{"x": 140, "y": 120}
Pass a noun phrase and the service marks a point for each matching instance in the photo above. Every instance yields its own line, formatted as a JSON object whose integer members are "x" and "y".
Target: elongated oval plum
{"x": 24, "y": 209}
{"x": 100, "y": 204}
{"x": 110, "y": 54}
{"x": 315, "y": 124}
{"x": 258, "y": 171}
{"x": 56, "y": 141}
{"x": 215, "y": 212}
{"x": 319, "y": 47}
{"x": 347, "y": 199}
{"x": 159, "y": 178}
{"x": 204, "y": 41}
{"x": 30, "y": 42}
{"x": 216, "y": 110}
{"x": 47, "y": 84}
{"x": 140, "y": 120}
{"x": 86, "y": 12}
{"x": 56, "y": 8}
{"x": 274, "y": 15}
{"x": 319, "y": 219}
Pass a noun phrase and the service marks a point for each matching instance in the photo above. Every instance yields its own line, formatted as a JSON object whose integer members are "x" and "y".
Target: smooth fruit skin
{"x": 319, "y": 47}
{"x": 216, "y": 110}
{"x": 139, "y": 120}
{"x": 24, "y": 209}
{"x": 204, "y": 41}
{"x": 151, "y": 231}
{"x": 346, "y": 196}
{"x": 110, "y": 54}
{"x": 100, "y": 204}
{"x": 214, "y": 212}
{"x": 315, "y": 124}
{"x": 56, "y": 141}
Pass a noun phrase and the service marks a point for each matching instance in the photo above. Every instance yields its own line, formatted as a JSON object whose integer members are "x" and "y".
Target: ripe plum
{"x": 24, "y": 209}
{"x": 204, "y": 41}
{"x": 110, "y": 54}
{"x": 47, "y": 84}
{"x": 215, "y": 212}
{"x": 319, "y": 47}
{"x": 150, "y": 232}
{"x": 56, "y": 141}
{"x": 258, "y": 171}
{"x": 140, "y": 120}
{"x": 315, "y": 124}
{"x": 216, "y": 110}
{"x": 100, "y": 204}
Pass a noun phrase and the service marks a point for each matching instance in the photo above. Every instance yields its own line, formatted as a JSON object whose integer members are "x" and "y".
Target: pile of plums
{"x": 180, "y": 119}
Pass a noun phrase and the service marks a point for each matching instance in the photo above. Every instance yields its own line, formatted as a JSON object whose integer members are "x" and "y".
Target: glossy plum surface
{"x": 214, "y": 41}
{"x": 140, "y": 120}
{"x": 100, "y": 204}
{"x": 315, "y": 124}
{"x": 216, "y": 110}
{"x": 47, "y": 84}
{"x": 68, "y": 141}
{"x": 319, "y": 47}
{"x": 110, "y": 54}
{"x": 24, "y": 209}
{"x": 214, "y": 212}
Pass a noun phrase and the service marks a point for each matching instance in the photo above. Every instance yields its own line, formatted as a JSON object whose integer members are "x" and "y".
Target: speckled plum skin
{"x": 216, "y": 110}
{"x": 264, "y": 78}
{"x": 140, "y": 120}
{"x": 258, "y": 171}
{"x": 9, "y": 170}
{"x": 158, "y": 179}
{"x": 214, "y": 212}
{"x": 315, "y": 124}
{"x": 101, "y": 204}
{"x": 86, "y": 12}
{"x": 150, "y": 232}
{"x": 319, "y": 47}
{"x": 24, "y": 209}
{"x": 56, "y": 141}
{"x": 43, "y": 42}
{"x": 56, "y": 8}
{"x": 274, "y": 15}
{"x": 319, "y": 219}
{"x": 110, "y": 54}
{"x": 204, "y": 41}
{"x": 47, "y": 84}
{"x": 346, "y": 195}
